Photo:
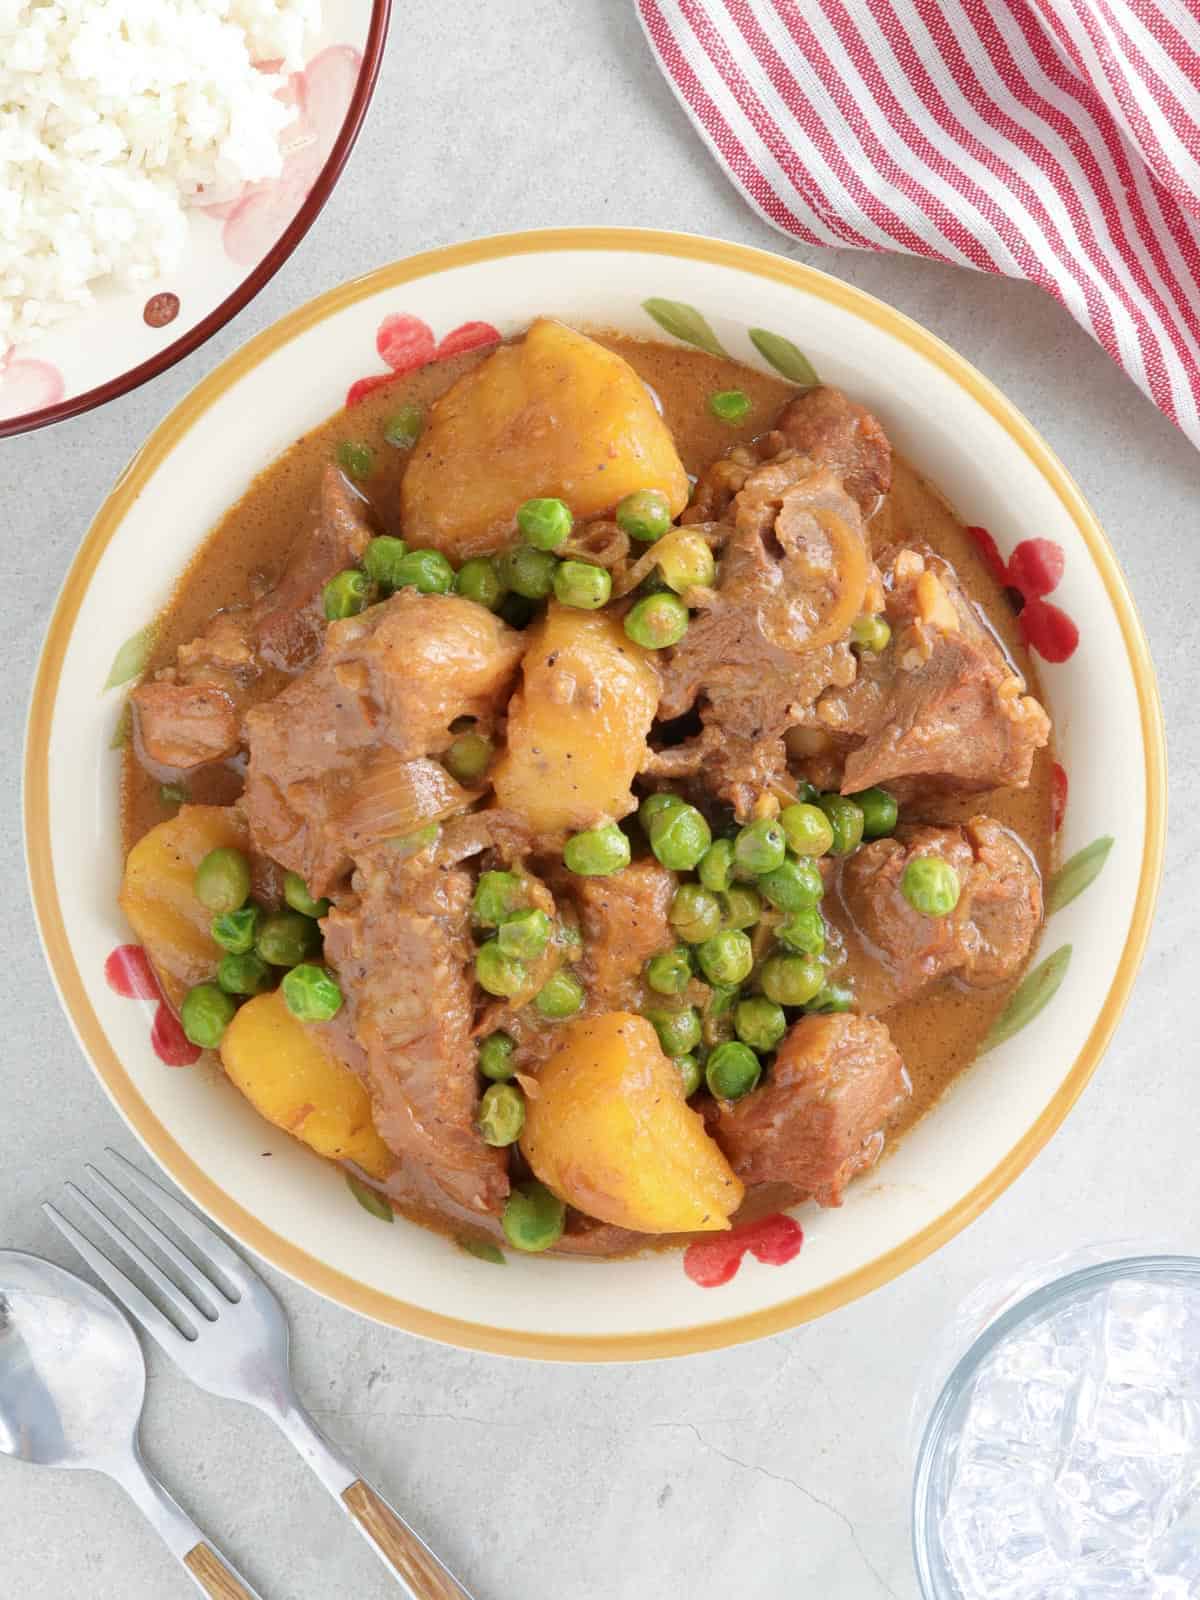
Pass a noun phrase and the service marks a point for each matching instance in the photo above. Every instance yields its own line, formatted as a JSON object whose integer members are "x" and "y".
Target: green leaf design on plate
{"x": 1034, "y": 992}
{"x": 369, "y": 1199}
{"x": 482, "y": 1250}
{"x": 785, "y": 357}
{"x": 124, "y": 727}
{"x": 130, "y": 660}
{"x": 684, "y": 322}
{"x": 1073, "y": 877}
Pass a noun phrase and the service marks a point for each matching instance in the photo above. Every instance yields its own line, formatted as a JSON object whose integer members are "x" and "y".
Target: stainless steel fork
{"x": 232, "y": 1340}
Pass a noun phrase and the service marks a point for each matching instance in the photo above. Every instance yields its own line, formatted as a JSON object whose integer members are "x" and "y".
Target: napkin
{"x": 1053, "y": 140}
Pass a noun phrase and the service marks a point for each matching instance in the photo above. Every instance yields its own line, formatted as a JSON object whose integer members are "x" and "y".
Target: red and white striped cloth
{"x": 1053, "y": 140}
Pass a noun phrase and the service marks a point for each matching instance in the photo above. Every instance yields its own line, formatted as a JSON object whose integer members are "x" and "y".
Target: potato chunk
{"x": 555, "y": 414}
{"x": 577, "y": 726}
{"x": 610, "y": 1132}
{"x": 158, "y": 900}
{"x": 287, "y": 1073}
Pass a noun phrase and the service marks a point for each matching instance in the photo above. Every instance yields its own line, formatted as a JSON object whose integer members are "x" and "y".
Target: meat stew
{"x": 614, "y": 794}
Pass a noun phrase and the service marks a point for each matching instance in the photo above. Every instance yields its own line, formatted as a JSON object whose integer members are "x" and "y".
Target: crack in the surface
{"x": 793, "y": 1483}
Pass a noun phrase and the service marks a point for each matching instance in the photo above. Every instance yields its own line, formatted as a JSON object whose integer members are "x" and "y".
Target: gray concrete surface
{"x": 774, "y": 1471}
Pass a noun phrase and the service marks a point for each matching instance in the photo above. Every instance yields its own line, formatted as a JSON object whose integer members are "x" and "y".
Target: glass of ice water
{"x": 1061, "y": 1459}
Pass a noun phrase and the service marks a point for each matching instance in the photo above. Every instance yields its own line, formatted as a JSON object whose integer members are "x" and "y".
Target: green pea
{"x": 381, "y": 560}
{"x": 172, "y": 794}
{"x": 403, "y": 427}
{"x": 871, "y": 634}
{"x": 411, "y": 844}
{"x": 670, "y": 972}
{"x": 347, "y": 594}
{"x": 561, "y": 996}
{"x": 732, "y": 1071}
{"x": 846, "y": 819}
{"x": 718, "y": 1014}
{"x": 597, "y": 852}
{"x": 568, "y": 937}
{"x": 792, "y": 980}
{"x": 741, "y": 906}
{"x": 759, "y": 846}
{"x": 496, "y": 1056}
{"x": 545, "y": 524}
{"x": 679, "y": 837}
{"x": 695, "y": 913}
{"x": 759, "y": 1022}
{"x": 678, "y": 1031}
{"x": 205, "y": 1013}
{"x": 644, "y": 515}
{"x": 516, "y": 610}
{"x": 807, "y": 829}
{"x": 793, "y": 884}
{"x": 355, "y": 459}
{"x": 730, "y": 405}
{"x": 686, "y": 561}
{"x": 582, "y": 585}
{"x": 533, "y": 1218}
{"x": 469, "y": 757}
{"x": 656, "y": 621}
{"x": 930, "y": 885}
{"x": 222, "y": 881}
{"x": 245, "y": 973}
{"x": 427, "y": 571}
{"x": 804, "y": 931}
{"x": 691, "y": 1072}
{"x": 880, "y": 812}
{"x": 528, "y": 572}
{"x": 312, "y": 993}
{"x": 807, "y": 794}
{"x": 479, "y": 580}
{"x": 833, "y": 997}
{"x": 525, "y": 934}
{"x": 655, "y": 804}
{"x": 286, "y": 938}
{"x": 295, "y": 892}
{"x": 716, "y": 865}
{"x": 501, "y": 1115}
{"x": 235, "y": 930}
{"x": 497, "y": 896}
{"x": 727, "y": 957}
{"x": 498, "y": 973}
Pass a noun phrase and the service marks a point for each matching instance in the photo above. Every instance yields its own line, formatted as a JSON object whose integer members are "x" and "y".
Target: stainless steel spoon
{"x": 72, "y": 1384}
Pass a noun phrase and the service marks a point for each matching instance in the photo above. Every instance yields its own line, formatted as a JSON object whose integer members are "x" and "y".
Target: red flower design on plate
{"x": 772, "y": 1240}
{"x": 406, "y": 343}
{"x": 1034, "y": 570}
{"x": 27, "y": 386}
{"x": 128, "y": 973}
{"x": 322, "y": 94}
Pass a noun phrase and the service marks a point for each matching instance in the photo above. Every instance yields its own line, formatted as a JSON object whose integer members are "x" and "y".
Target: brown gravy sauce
{"x": 939, "y": 1033}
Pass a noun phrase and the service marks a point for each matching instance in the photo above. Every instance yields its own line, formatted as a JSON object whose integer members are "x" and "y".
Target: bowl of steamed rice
{"x": 160, "y": 165}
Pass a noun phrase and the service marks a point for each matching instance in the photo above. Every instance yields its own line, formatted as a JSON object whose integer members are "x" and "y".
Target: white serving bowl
{"x": 295, "y": 1211}
{"x": 131, "y": 334}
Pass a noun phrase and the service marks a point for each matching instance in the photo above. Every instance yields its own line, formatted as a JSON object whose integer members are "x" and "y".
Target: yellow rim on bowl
{"x": 222, "y": 1207}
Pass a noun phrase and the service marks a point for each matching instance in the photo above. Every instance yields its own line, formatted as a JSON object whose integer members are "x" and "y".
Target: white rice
{"x": 114, "y": 114}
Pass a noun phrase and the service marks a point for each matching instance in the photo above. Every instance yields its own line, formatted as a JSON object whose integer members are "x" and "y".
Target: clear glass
{"x": 1059, "y": 1457}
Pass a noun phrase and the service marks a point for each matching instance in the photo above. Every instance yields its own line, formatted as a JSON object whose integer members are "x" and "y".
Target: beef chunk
{"x": 942, "y": 707}
{"x": 386, "y": 687}
{"x": 832, "y": 430}
{"x": 239, "y": 657}
{"x": 819, "y": 1119}
{"x": 401, "y": 944}
{"x": 624, "y": 923}
{"x": 894, "y": 951}
{"x": 793, "y": 575}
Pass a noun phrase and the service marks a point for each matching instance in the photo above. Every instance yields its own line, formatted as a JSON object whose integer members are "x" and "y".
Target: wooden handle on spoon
{"x": 213, "y": 1576}
{"x": 408, "y": 1556}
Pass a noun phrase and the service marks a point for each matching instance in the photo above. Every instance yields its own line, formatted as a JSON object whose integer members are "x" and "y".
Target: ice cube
{"x": 1151, "y": 1333}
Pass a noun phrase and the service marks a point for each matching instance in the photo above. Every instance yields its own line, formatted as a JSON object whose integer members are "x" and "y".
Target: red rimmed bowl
{"x": 129, "y": 336}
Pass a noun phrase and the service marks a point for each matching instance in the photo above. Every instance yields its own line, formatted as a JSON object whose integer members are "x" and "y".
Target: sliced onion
{"x": 397, "y": 797}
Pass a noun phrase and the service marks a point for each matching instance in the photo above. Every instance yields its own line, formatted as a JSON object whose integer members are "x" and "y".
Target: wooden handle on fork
{"x": 213, "y": 1576}
{"x": 399, "y": 1545}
